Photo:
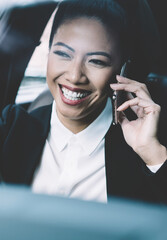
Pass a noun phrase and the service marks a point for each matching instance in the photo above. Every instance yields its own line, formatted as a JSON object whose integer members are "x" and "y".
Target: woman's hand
{"x": 140, "y": 134}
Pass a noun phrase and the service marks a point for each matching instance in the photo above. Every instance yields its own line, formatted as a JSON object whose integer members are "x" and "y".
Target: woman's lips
{"x": 73, "y": 96}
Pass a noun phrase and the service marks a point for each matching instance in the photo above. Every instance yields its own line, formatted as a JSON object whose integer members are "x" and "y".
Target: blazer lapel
{"x": 26, "y": 145}
{"x": 123, "y": 166}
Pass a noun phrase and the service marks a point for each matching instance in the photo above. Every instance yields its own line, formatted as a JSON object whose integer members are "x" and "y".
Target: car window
{"x": 22, "y": 25}
{"x": 34, "y": 81}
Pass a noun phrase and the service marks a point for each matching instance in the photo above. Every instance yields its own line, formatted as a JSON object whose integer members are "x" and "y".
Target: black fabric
{"x": 22, "y": 138}
{"x": 127, "y": 174}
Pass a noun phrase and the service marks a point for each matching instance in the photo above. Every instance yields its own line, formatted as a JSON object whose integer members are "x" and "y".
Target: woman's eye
{"x": 99, "y": 62}
{"x": 62, "y": 54}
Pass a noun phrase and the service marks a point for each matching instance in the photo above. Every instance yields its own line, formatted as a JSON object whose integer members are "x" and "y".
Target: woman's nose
{"x": 76, "y": 73}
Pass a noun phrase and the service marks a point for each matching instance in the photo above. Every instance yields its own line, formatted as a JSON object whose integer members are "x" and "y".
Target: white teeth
{"x": 74, "y": 96}
{"x": 70, "y": 93}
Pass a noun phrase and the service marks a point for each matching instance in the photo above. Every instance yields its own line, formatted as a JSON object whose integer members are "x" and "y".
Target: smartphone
{"x": 119, "y": 96}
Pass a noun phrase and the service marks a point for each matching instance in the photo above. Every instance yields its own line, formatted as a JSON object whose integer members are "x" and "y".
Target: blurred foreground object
{"x": 24, "y": 215}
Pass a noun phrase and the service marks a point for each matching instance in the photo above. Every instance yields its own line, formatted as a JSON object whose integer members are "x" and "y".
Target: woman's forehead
{"x": 85, "y": 31}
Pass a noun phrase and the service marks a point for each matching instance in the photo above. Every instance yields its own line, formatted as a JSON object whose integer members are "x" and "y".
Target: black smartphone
{"x": 119, "y": 96}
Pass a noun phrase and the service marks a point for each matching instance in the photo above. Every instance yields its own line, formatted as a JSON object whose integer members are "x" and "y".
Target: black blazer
{"x": 22, "y": 138}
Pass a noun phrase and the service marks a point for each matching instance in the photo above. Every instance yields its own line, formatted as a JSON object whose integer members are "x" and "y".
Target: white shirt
{"x": 73, "y": 165}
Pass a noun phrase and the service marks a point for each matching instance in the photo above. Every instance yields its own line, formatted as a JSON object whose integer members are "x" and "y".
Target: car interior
{"x": 22, "y": 27}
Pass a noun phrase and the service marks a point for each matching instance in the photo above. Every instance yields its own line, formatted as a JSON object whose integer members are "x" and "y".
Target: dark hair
{"x": 130, "y": 20}
{"x": 108, "y": 12}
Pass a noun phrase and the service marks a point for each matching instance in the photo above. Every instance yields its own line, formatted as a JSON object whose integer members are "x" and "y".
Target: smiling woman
{"x": 71, "y": 147}
{"x": 80, "y": 81}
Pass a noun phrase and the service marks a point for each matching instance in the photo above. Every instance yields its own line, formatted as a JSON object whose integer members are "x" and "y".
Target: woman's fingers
{"x": 128, "y": 85}
{"x": 135, "y": 108}
{"x": 122, "y": 79}
{"x": 138, "y": 89}
{"x": 125, "y": 80}
{"x": 143, "y": 106}
{"x": 122, "y": 119}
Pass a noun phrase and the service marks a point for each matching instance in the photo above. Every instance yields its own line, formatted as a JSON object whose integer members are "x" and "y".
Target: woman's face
{"x": 83, "y": 58}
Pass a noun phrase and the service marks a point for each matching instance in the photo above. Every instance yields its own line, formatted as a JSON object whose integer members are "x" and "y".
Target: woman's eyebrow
{"x": 64, "y": 45}
{"x": 88, "y": 54}
{"x": 100, "y": 53}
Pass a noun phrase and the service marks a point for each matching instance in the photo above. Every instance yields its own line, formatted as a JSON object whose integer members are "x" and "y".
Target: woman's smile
{"x": 73, "y": 96}
{"x": 83, "y": 59}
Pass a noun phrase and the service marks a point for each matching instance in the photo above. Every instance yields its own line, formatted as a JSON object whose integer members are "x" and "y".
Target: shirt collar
{"x": 60, "y": 133}
{"x": 90, "y": 137}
